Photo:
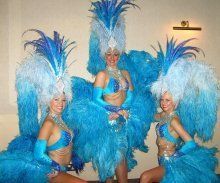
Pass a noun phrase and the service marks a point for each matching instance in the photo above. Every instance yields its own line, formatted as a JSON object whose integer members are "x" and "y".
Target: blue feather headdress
{"x": 193, "y": 86}
{"x": 108, "y": 24}
{"x": 175, "y": 68}
{"x": 46, "y": 68}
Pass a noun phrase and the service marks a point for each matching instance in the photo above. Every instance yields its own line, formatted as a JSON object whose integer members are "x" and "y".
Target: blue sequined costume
{"x": 198, "y": 165}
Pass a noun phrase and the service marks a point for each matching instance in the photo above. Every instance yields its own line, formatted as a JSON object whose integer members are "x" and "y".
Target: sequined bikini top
{"x": 66, "y": 136}
{"x": 64, "y": 140}
{"x": 114, "y": 84}
{"x": 162, "y": 129}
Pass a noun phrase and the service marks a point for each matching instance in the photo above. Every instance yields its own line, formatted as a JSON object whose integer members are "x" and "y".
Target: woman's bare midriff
{"x": 165, "y": 148}
{"x": 116, "y": 99}
{"x": 62, "y": 156}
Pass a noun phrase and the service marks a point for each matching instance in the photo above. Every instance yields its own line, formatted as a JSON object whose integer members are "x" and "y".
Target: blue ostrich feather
{"x": 52, "y": 49}
{"x": 96, "y": 62}
{"x": 109, "y": 11}
{"x": 27, "y": 107}
{"x": 174, "y": 52}
{"x": 20, "y": 166}
{"x": 143, "y": 68}
{"x": 23, "y": 143}
{"x": 77, "y": 163}
{"x": 198, "y": 109}
{"x": 197, "y": 166}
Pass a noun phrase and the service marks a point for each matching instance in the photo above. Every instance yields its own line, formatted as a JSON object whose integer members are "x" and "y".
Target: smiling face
{"x": 112, "y": 57}
{"x": 57, "y": 104}
{"x": 166, "y": 103}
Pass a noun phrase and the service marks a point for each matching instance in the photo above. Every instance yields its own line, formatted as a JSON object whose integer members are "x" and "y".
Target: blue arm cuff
{"x": 40, "y": 152}
{"x": 97, "y": 98}
{"x": 40, "y": 155}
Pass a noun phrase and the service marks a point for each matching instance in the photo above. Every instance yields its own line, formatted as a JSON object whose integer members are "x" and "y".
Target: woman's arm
{"x": 129, "y": 94}
{"x": 189, "y": 142}
{"x": 127, "y": 76}
{"x": 100, "y": 79}
{"x": 178, "y": 128}
{"x": 157, "y": 117}
{"x": 99, "y": 84}
{"x": 41, "y": 145}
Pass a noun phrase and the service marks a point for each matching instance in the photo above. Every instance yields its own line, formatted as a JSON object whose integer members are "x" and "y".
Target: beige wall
{"x": 71, "y": 18}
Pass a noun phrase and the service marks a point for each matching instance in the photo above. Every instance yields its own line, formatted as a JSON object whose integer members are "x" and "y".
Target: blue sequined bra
{"x": 64, "y": 140}
{"x": 114, "y": 86}
{"x": 162, "y": 131}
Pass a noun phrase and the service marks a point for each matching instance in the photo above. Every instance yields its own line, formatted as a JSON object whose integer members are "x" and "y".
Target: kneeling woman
{"x": 54, "y": 143}
{"x": 41, "y": 80}
{"x": 186, "y": 111}
{"x": 185, "y": 164}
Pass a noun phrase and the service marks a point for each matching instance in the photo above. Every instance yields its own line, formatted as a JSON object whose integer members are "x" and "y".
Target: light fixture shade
{"x": 185, "y": 26}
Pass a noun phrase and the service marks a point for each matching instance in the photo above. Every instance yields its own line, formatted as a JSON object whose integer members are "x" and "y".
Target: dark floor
{"x": 129, "y": 181}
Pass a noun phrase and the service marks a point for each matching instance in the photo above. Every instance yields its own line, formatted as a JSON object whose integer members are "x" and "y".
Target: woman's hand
{"x": 53, "y": 174}
{"x": 113, "y": 116}
{"x": 124, "y": 113}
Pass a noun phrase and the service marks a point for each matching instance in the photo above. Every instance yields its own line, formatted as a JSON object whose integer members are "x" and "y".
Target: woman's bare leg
{"x": 63, "y": 177}
{"x": 110, "y": 180}
{"x": 122, "y": 172}
{"x": 152, "y": 175}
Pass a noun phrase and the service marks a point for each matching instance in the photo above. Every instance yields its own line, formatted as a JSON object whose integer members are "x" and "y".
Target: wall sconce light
{"x": 185, "y": 26}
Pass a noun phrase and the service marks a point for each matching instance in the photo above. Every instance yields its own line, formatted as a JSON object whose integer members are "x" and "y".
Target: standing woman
{"x": 188, "y": 96}
{"x": 108, "y": 145}
{"x": 113, "y": 91}
{"x": 111, "y": 119}
{"x": 44, "y": 149}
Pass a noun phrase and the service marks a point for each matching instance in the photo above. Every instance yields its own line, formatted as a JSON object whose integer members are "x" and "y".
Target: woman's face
{"x": 166, "y": 103}
{"x": 112, "y": 57}
{"x": 57, "y": 104}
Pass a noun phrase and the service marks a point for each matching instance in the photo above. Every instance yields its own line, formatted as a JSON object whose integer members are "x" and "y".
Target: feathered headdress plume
{"x": 108, "y": 24}
{"x": 193, "y": 86}
{"x": 107, "y": 31}
{"x": 46, "y": 68}
{"x": 174, "y": 68}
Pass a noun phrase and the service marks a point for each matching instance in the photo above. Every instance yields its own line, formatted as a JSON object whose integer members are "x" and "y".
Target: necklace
{"x": 114, "y": 73}
{"x": 59, "y": 121}
{"x": 167, "y": 117}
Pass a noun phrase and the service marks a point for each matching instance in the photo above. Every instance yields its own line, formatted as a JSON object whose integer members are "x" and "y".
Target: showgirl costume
{"x": 39, "y": 78}
{"x": 193, "y": 87}
{"x": 103, "y": 142}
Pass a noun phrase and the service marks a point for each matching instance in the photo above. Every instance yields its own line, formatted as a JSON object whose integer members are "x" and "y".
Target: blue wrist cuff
{"x": 112, "y": 108}
{"x": 188, "y": 146}
{"x": 97, "y": 98}
{"x": 56, "y": 166}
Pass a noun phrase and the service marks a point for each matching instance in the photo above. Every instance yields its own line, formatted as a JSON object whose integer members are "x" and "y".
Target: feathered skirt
{"x": 197, "y": 166}
{"x": 103, "y": 142}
